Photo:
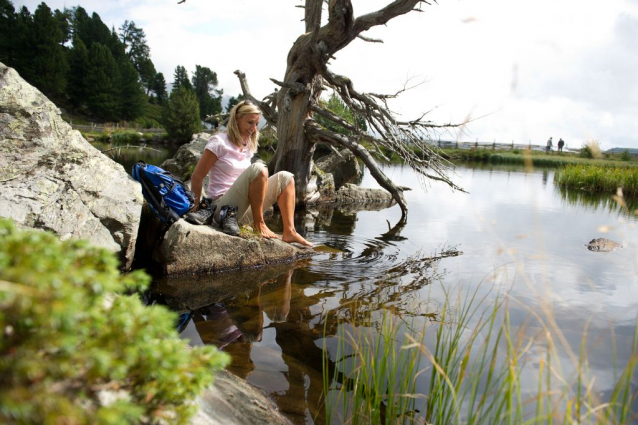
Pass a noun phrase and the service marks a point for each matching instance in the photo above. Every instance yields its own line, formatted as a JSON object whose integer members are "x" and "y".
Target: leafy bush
{"x": 68, "y": 340}
{"x": 625, "y": 155}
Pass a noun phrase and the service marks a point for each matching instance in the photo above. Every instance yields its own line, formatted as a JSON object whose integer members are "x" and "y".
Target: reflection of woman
{"x": 235, "y": 182}
{"x": 276, "y": 302}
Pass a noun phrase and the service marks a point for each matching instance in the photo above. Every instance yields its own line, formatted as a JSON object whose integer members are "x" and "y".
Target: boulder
{"x": 191, "y": 249}
{"x": 51, "y": 178}
{"x": 186, "y": 157}
{"x": 231, "y": 400}
{"x": 344, "y": 167}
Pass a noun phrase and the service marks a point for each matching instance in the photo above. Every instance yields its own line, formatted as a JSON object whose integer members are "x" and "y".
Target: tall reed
{"x": 470, "y": 372}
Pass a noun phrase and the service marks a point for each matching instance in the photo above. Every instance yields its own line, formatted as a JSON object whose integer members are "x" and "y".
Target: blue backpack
{"x": 165, "y": 194}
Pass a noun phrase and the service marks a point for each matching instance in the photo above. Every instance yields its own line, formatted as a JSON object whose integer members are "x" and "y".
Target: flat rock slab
{"x": 192, "y": 249}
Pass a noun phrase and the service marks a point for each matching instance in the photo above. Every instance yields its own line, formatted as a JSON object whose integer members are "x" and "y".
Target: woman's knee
{"x": 285, "y": 178}
{"x": 258, "y": 170}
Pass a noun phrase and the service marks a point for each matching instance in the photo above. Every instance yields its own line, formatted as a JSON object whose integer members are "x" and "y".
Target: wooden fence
{"x": 450, "y": 144}
{"x": 117, "y": 127}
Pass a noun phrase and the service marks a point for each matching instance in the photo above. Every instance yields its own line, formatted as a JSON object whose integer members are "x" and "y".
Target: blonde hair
{"x": 245, "y": 107}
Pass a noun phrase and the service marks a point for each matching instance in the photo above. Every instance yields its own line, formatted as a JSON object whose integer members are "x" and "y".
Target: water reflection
{"x": 272, "y": 321}
{"x": 594, "y": 201}
{"x": 129, "y": 155}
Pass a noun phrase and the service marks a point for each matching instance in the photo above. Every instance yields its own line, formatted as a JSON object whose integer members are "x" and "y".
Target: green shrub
{"x": 181, "y": 115}
{"x": 69, "y": 335}
{"x": 625, "y": 155}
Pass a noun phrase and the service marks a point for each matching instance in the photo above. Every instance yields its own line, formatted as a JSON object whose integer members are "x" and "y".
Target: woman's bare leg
{"x": 256, "y": 195}
{"x": 286, "y": 202}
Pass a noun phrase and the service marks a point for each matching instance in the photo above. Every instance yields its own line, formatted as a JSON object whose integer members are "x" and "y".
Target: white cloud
{"x": 535, "y": 67}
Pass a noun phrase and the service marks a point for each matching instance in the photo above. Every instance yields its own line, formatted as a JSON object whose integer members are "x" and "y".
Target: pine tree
{"x": 234, "y": 101}
{"x": 159, "y": 87}
{"x": 131, "y": 99}
{"x": 8, "y": 28}
{"x": 77, "y": 88}
{"x": 181, "y": 115}
{"x": 48, "y": 62}
{"x": 137, "y": 50}
{"x": 180, "y": 79}
{"x": 102, "y": 82}
{"x": 204, "y": 82}
{"x": 64, "y": 22}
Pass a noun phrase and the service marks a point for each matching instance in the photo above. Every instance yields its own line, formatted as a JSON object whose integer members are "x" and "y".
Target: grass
{"x": 473, "y": 367}
{"x": 535, "y": 158}
{"x": 600, "y": 179}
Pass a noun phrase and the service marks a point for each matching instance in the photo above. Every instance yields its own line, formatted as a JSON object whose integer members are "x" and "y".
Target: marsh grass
{"x": 600, "y": 179}
{"x": 473, "y": 368}
{"x": 538, "y": 159}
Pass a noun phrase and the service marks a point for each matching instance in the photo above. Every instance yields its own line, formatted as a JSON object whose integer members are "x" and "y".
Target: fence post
{"x": 530, "y": 145}
{"x": 512, "y": 148}
{"x": 494, "y": 145}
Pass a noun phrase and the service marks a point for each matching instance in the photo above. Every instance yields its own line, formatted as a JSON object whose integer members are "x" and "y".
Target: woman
{"x": 233, "y": 181}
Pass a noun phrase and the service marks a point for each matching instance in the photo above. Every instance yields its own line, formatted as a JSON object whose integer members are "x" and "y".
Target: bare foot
{"x": 295, "y": 237}
{"x": 265, "y": 232}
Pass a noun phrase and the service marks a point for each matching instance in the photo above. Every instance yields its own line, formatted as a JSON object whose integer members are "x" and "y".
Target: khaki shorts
{"x": 237, "y": 195}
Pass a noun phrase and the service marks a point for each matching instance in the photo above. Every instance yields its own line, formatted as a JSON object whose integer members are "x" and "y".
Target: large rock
{"x": 191, "y": 249}
{"x": 344, "y": 167}
{"x": 53, "y": 179}
{"x": 231, "y": 400}
{"x": 186, "y": 157}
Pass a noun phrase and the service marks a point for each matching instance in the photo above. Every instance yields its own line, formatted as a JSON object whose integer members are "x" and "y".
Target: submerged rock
{"x": 51, "y": 178}
{"x": 603, "y": 245}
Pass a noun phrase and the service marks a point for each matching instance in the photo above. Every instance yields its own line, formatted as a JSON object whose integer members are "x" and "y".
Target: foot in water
{"x": 293, "y": 236}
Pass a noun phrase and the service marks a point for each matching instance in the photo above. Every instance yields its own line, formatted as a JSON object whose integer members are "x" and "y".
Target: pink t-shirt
{"x": 231, "y": 162}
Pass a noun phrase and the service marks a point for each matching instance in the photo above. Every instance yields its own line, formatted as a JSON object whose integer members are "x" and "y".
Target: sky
{"x": 521, "y": 70}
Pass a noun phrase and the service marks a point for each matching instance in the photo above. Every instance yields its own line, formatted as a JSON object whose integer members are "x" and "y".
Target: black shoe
{"x": 204, "y": 215}
{"x": 228, "y": 220}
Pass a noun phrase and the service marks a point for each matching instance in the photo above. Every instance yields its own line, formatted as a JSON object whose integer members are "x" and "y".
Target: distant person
{"x": 561, "y": 143}
{"x": 549, "y": 145}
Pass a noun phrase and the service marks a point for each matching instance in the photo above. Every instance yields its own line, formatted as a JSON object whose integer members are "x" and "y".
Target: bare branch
{"x": 128, "y": 147}
{"x": 268, "y": 110}
{"x": 370, "y": 40}
{"x": 409, "y": 140}
{"x": 312, "y": 17}
{"x": 315, "y": 131}
{"x": 295, "y": 88}
{"x": 382, "y": 16}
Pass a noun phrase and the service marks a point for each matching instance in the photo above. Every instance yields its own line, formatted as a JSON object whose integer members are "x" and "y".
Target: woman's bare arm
{"x": 202, "y": 168}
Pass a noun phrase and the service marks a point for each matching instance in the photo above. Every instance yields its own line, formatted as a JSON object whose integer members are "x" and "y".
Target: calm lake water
{"x": 517, "y": 234}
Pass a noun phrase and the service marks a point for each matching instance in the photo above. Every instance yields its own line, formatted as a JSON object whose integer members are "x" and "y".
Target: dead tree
{"x": 291, "y": 109}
